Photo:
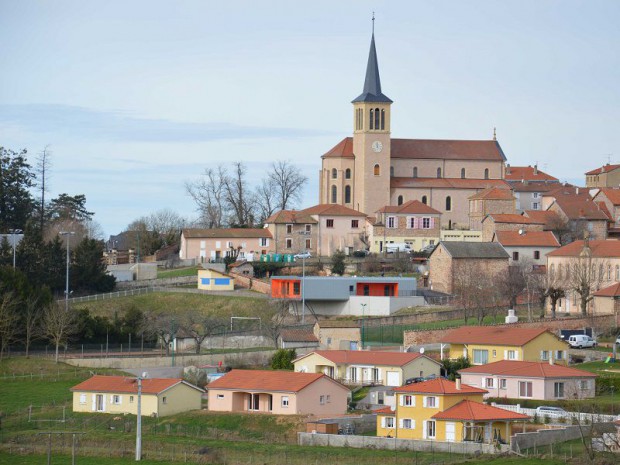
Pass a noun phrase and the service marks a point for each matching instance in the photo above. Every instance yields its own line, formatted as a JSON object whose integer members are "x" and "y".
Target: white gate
{"x": 392, "y": 378}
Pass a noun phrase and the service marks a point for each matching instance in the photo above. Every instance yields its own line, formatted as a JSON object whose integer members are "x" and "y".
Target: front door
{"x": 450, "y": 431}
{"x": 100, "y": 406}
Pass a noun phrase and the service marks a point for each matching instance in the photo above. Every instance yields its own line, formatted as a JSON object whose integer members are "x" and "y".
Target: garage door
{"x": 450, "y": 431}
{"x": 392, "y": 378}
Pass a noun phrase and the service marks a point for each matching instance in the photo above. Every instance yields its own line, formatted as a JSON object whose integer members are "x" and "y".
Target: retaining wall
{"x": 373, "y": 442}
{"x": 545, "y": 437}
{"x": 252, "y": 283}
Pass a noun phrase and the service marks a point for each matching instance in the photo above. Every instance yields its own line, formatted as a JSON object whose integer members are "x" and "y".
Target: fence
{"x": 565, "y": 417}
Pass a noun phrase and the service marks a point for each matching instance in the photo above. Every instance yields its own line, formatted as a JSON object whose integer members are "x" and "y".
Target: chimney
{"x": 535, "y": 170}
{"x": 507, "y": 168}
{"x": 577, "y": 190}
{"x": 458, "y": 384}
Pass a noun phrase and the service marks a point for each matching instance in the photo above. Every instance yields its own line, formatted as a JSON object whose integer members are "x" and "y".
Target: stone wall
{"x": 252, "y": 283}
{"x": 373, "y": 442}
{"x": 426, "y": 336}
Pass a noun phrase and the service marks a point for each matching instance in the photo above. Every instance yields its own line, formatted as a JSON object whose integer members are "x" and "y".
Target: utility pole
{"x": 68, "y": 235}
{"x": 139, "y": 422}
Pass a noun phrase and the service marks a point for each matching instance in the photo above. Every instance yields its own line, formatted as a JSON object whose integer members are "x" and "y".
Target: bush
{"x": 283, "y": 359}
{"x": 338, "y": 262}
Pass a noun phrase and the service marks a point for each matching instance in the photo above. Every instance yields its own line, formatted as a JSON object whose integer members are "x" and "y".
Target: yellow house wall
{"x": 211, "y": 275}
{"x": 180, "y": 398}
{"x": 149, "y": 403}
{"x": 548, "y": 342}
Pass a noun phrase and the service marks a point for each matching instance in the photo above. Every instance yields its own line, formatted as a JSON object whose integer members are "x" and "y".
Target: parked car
{"x": 417, "y": 379}
{"x": 428, "y": 249}
{"x": 361, "y": 253}
{"x": 302, "y": 255}
{"x": 544, "y": 409}
{"x": 618, "y": 340}
{"x": 581, "y": 341}
{"x": 397, "y": 247}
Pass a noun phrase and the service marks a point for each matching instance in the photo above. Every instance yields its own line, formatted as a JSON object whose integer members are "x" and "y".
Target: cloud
{"x": 67, "y": 121}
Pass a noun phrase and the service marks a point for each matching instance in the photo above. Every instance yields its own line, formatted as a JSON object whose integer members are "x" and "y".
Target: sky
{"x": 136, "y": 98}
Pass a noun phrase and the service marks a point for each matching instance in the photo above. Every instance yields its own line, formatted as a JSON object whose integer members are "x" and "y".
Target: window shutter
{"x": 402, "y": 400}
{"x": 400, "y": 423}
{"x": 382, "y": 422}
{"x": 416, "y": 223}
{"x": 94, "y": 402}
{"x": 424, "y": 429}
{"x": 432, "y": 223}
{"x": 424, "y": 401}
{"x": 120, "y": 400}
{"x": 505, "y": 355}
{"x": 541, "y": 354}
{"x": 412, "y": 424}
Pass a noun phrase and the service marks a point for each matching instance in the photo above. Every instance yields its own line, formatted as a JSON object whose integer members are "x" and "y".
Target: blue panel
{"x": 222, "y": 281}
{"x": 204, "y": 281}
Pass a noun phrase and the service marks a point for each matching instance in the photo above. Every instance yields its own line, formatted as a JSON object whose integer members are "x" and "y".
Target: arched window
{"x": 391, "y": 171}
{"x": 424, "y": 199}
{"x": 372, "y": 118}
{"x": 462, "y": 173}
{"x": 448, "y": 203}
{"x": 347, "y": 194}
{"x": 377, "y": 170}
{"x": 347, "y": 173}
{"x": 415, "y": 171}
{"x": 334, "y": 173}
{"x": 377, "y": 116}
{"x": 382, "y": 119}
{"x": 438, "y": 172}
{"x": 486, "y": 173}
{"x": 334, "y": 194}
{"x": 608, "y": 272}
{"x": 400, "y": 200}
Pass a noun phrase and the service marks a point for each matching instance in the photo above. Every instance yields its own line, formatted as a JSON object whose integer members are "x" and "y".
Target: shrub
{"x": 283, "y": 359}
{"x": 338, "y": 262}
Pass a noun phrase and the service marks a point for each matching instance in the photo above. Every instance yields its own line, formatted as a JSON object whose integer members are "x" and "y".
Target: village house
{"x": 338, "y": 334}
{"x": 486, "y": 344}
{"x": 489, "y": 201}
{"x": 527, "y": 247}
{"x": 119, "y": 395}
{"x": 211, "y": 280}
{"x": 296, "y": 338}
{"x": 531, "y": 380}
{"x": 606, "y": 176}
{"x": 277, "y": 392}
{"x": 212, "y": 245}
{"x": 508, "y": 222}
{"x": 608, "y": 200}
{"x": 368, "y": 367}
{"x": 442, "y": 410}
{"x": 452, "y": 258}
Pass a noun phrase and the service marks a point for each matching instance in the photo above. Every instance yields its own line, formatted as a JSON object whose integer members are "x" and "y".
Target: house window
{"x": 328, "y": 399}
{"x": 448, "y": 203}
{"x": 488, "y": 383}
{"x": 486, "y": 173}
{"x": 430, "y": 429}
{"x": 82, "y": 398}
{"x": 289, "y": 229}
{"x": 391, "y": 222}
{"x": 608, "y": 272}
{"x": 334, "y": 194}
{"x": 515, "y": 256}
{"x": 462, "y": 173}
{"x": 355, "y": 224}
{"x": 329, "y": 223}
{"x": 494, "y": 353}
{"x": 409, "y": 401}
{"x": 617, "y": 272}
{"x": 535, "y": 195}
{"x": 424, "y": 200}
{"x": 512, "y": 355}
{"x": 559, "y": 355}
{"x": 389, "y": 422}
{"x": 408, "y": 423}
{"x": 131, "y": 399}
{"x": 322, "y": 400}
{"x": 347, "y": 173}
{"x": 438, "y": 172}
{"x": 289, "y": 243}
{"x": 377, "y": 170}
{"x": 535, "y": 206}
{"x": 544, "y": 355}
{"x": 334, "y": 173}
{"x": 116, "y": 400}
{"x": 220, "y": 396}
{"x": 431, "y": 402}
{"x": 426, "y": 223}
{"x": 558, "y": 390}
{"x": 525, "y": 389}
{"x": 415, "y": 171}
{"x": 411, "y": 222}
{"x": 583, "y": 384}
{"x": 296, "y": 288}
{"x": 400, "y": 200}
{"x": 536, "y": 254}
{"x": 347, "y": 194}
{"x": 264, "y": 242}
{"x": 391, "y": 171}
{"x": 481, "y": 356}
{"x": 502, "y": 383}
{"x": 308, "y": 244}
{"x": 164, "y": 400}
{"x": 308, "y": 228}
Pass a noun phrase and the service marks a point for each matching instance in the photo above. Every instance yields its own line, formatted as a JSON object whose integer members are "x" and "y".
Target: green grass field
{"x": 177, "y": 272}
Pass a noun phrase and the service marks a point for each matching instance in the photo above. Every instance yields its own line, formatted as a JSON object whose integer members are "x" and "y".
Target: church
{"x": 371, "y": 170}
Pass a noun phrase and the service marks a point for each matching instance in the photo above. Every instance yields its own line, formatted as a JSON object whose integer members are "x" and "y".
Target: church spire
{"x": 372, "y": 83}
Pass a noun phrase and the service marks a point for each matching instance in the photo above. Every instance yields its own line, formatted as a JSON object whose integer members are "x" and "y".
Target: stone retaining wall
{"x": 252, "y": 283}
{"x": 545, "y": 437}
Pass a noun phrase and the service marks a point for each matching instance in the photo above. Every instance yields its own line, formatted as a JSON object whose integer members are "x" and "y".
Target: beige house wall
{"x": 480, "y": 208}
{"x": 211, "y": 275}
{"x": 336, "y": 338}
{"x": 526, "y": 255}
{"x": 490, "y": 227}
{"x": 427, "y": 168}
{"x": 605, "y": 305}
{"x": 203, "y": 249}
{"x": 417, "y": 237}
{"x": 342, "y": 236}
{"x": 606, "y": 179}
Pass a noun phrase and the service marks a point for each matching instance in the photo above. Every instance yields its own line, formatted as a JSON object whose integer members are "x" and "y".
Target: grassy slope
{"x": 191, "y": 271}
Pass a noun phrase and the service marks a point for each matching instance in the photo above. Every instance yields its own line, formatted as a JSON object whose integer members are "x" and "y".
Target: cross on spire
{"x": 373, "y": 23}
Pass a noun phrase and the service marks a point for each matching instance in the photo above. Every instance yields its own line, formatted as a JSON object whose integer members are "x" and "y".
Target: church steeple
{"x": 372, "y": 83}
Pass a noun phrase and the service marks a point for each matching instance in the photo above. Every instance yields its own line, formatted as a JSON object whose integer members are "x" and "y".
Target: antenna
{"x": 373, "y": 23}
{"x": 421, "y": 350}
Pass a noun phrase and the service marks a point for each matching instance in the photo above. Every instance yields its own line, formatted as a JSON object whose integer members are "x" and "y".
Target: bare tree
{"x": 32, "y": 315}
{"x": 288, "y": 183}
{"x": 208, "y": 193}
{"x": 273, "y": 327}
{"x": 161, "y": 325}
{"x": 586, "y": 274}
{"x": 42, "y": 168}
{"x": 238, "y": 197}
{"x": 512, "y": 283}
{"x": 473, "y": 287}
{"x": 8, "y": 321}
{"x": 59, "y": 325}
{"x": 201, "y": 327}
{"x": 266, "y": 199}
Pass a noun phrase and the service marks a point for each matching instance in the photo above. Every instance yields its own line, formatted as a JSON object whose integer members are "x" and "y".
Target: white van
{"x": 581, "y": 340}
{"x": 398, "y": 247}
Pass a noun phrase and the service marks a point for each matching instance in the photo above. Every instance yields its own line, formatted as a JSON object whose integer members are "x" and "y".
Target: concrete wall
{"x": 359, "y": 442}
{"x": 544, "y": 437}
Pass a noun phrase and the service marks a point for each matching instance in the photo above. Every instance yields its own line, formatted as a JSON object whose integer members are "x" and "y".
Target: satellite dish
{"x": 520, "y": 232}
{"x": 145, "y": 375}
{"x": 421, "y": 350}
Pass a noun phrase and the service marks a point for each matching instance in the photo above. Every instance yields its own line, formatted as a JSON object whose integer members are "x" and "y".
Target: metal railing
{"x": 566, "y": 417}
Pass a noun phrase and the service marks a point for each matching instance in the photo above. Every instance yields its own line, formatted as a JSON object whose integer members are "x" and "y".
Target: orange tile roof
{"x": 367, "y": 357}
{"x": 100, "y": 383}
{"x": 612, "y": 194}
{"x": 475, "y": 411}
{"x": 440, "y": 386}
{"x": 610, "y": 291}
{"x": 412, "y": 207}
{"x": 290, "y": 217}
{"x": 546, "y": 217}
{"x": 385, "y": 411}
{"x": 239, "y": 233}
{"x": 527, "y": 239}
{"x": 604, "y": 169}
{"x": 512, "y": 218}
{"x": 527, "y": 173}
{"x": 577, "y": 207}
{"x": 447, "y": 183}
{"x": 493, "y": 335}
{"x": 493, "y": 193}
{"x": 298, "y": 335}
{"x": 331, "y": 210}
{"x": 602, "y": 249}
{"x": 533, "y": 187}
{"x": 528, "y": 370}
{"x": 344, "y": 148}
{"x": 265, "y": 380}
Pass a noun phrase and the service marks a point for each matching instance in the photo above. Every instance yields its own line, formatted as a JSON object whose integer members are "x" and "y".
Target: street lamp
{"x": 303, "y": 289}
{"x": 14, "y": 232}
{"x": 68, "y": 235}
{"x": 363, "y": 312}
{"x": 139, "y": 420}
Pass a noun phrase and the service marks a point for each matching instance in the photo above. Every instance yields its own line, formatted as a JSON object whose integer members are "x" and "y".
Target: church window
{"x": 377, "y": 170}
{"x": 415, "y": 171}
{"x": 377, "y": 116}
{"x": 438, "y": 172}
{"x": 391, "y": 171}
{"x": 347, "y": 173}
{"x": 617, "y": 273}
{"x": 372, "y": 118}
{"x": 334, "y": 173}
{"x": 382, "y": 119}
{"x": 486, "y": 173}
{"x": 448, "y": 203}
{"x": 462, "y": 173}
{"x": 347, "y": 194}
{"x": 334, "y": 194}
{"x": 424, "y": 201}
{"x": 400, "y": 200}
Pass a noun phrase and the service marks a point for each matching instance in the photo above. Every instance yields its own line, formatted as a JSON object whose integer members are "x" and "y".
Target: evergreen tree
{"x": 338, "y": 262}
{"x": 16, "y": 179}
{"x": 88, "y": 271}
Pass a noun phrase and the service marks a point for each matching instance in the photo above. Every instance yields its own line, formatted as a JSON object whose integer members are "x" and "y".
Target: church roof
{"x": 448, "y": 183}
{"x": 344, "y": 148}
{"x": 372, "y": 83}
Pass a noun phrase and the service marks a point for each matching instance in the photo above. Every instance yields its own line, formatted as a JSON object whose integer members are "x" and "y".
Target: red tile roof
{"x": 232, "y": 233}
{"x": 265, "y": 380}
{"x": 440, "y": 386}
{"x": 475, "y": 411}
{"x": 603, "y": 249}
{"x": 493, "y": 335}
{"x": 412, "y": 207}
{"x": 612, "y": 194}
{"x": 527, "y": 239}
{"x": 577, "y": 207}
{"x": 385, "y": 411}
{"x": 604, "y": 169}
{"x": 512, "y": 218}
{"x": 448, "y": 183}
{"x": 532, "y": 187}
{"x": 527, "y": 173}
{"x": 290, "y": 217}
{"x": 368, "y": 357}
{"x": 100, "y": 383}
{"x": 528, "y": 370}
{"x": 328, "y": 209}
{"x": 610, "y": 291}
{"x": 344, "y": 148}
{"x": 493, "y": 193}
{"x": 546, "y": 217}
{"x": 298, "y": 335}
